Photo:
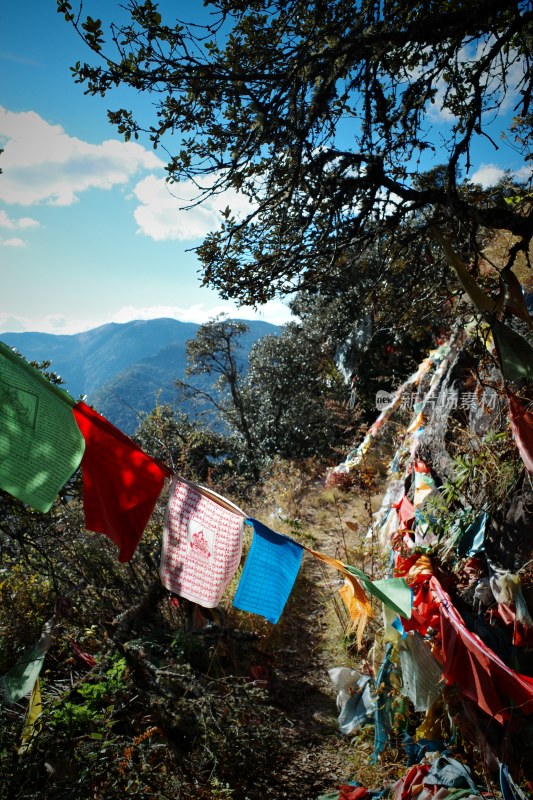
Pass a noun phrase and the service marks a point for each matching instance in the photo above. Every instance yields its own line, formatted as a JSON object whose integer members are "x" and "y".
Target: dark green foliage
{"x": 185, "y": 445}
{"x": 292, "y": 390}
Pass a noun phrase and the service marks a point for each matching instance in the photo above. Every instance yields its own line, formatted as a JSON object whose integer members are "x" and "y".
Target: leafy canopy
{"x": 325, "y": 115}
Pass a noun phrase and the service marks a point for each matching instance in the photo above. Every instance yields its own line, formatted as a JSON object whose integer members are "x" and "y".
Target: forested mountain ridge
{"x": 122, "y": 367}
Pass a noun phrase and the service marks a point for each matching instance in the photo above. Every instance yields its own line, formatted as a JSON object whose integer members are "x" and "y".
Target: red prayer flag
{"x": 406, "y": 513}
{"x": 522, "y": 427}
{"x": 121, "y": 483}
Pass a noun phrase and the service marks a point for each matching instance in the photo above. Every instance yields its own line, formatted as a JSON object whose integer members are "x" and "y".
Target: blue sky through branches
{"x": 89, "y": 232}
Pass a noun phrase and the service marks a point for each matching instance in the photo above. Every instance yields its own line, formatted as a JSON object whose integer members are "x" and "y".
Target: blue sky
{"x": 88, "y": 231}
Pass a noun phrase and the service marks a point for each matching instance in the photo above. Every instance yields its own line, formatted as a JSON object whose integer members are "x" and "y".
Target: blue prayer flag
{"x": 269, "y": 573}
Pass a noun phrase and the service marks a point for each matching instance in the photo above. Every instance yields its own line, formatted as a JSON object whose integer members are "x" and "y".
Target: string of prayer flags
{"x": 521, "y": 421}
{"x": 20, "y": 680}
{"x": 202, "y": 543}
{"x": 394, "y": 592}
{"x": 121, "y": 483}
{"x": 269, "y": 572}
{"x": 40, "y": 444}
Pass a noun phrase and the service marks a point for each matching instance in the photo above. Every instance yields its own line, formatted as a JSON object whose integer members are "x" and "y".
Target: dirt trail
{"x": 313, "y": 757}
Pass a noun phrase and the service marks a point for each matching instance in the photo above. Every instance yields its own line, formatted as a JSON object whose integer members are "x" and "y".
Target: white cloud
{"x": 14, "y": 324}
{"x": 525, "y": 173}
{"x": 14, "y": 242}
{"x": 43, "y": 164}
{"x": 22, "y": 222}
{"x": 274, "y": 312}
{"x": 161, "y": 214}
{"x": 489, "y": 174}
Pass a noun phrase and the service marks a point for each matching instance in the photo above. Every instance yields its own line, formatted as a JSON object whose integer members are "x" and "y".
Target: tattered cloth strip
{"x": 411, "y": 784}
{"x": 358, "y": 604}
{"x": 348, "y": 791}
{"x": 477, "y": 671}
{"x": 521, "y": 421}
{"x": 447, "y": 771}
{"x": 388, "y": 529}
{"x": 420, "y": 570}
{"x": 424, "y": 483}
{"x": 394, "y": 592}
{"x": 481, "y": 300}
{"x": 421, "y": 672}
{"x": 472, "y": 540}
{"x": 359, "y": 707}
{"x": 35, "y": 709}
{"x": 121, "y": 483}
{"x": 384, "y": 714}
{"x": 406, "y": 513}
{"x": 514, "y": 352}
{"x": 20, "y": 680}
{"x": 510, "y": 790}
{"x": 269, "y": 573}
{"x": 40, "y": 444}
{"x": 202, "y": 543}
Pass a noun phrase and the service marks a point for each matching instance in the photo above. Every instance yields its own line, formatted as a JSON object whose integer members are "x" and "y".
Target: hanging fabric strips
{"x": 358, "y": 608}
{"x": 202, "y": 543}
{"x": 35, "y": 709}
{"x": 269, "y": 573}
{"x": 121, "y": 484}
{"x": 522, "y": 427}
{"x": 424, "y": 483}
{"x": 20, "y": 680}
{"x": 40, "y": 444}
{"x": 480, "y": 674}
{"x": 394, "y": 592}
{"x": 357, "y": 603}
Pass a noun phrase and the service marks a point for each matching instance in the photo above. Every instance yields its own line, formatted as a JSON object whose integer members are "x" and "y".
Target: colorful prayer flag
{"x": 359, "y": 608}
{"x": 522, "y": 427}
{"x": 202, "y": 543}
{"x": 40, "y": 444}
{"x": 20, "y": 680}
{"x": 394, "y": 592}
{"x": 269, "y": 573}
{"x": 121, "y": 483}
{"x": 35, "y": 709}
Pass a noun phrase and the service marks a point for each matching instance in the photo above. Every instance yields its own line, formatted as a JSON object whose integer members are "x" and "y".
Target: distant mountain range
{"x": 122, "y": 367}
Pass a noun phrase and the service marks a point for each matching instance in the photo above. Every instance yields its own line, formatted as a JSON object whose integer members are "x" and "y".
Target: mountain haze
{"x": 123, "y": 367}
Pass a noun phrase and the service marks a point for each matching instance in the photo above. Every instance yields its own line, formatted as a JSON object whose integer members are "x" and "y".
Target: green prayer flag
{"x": 516, "y": 354}
{"x": 480, "y": 299}
{"x": 20, "y": 680}
{"x": 394, "y": 592}
{"x": 40, "y": 442}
